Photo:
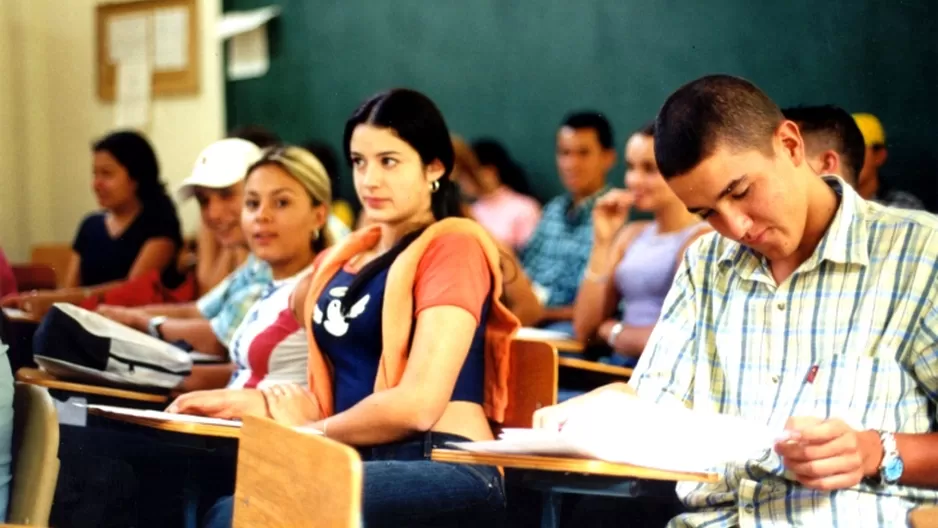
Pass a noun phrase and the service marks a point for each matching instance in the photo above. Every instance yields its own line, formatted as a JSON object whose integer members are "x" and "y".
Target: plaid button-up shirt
{"x": 863, "y": 309}
{"x": 556, "y": 255}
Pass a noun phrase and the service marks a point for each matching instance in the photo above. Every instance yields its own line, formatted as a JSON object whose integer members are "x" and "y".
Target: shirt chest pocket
{"x": 866, "y": 392}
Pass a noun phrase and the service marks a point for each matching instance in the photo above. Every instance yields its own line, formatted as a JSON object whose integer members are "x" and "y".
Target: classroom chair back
{"x": 289, "y": 478}
{"x": 35, "y": 456}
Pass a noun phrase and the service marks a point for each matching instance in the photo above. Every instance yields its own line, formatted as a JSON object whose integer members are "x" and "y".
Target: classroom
{"x": 494, "y": 263}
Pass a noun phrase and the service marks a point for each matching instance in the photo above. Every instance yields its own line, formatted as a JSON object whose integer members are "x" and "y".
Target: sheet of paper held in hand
{"x": 186, "y": 418}
{"x": 621, "y": 428}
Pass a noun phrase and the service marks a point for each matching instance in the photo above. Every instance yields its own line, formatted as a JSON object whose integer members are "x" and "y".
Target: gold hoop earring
{"x": 434, "y": 186}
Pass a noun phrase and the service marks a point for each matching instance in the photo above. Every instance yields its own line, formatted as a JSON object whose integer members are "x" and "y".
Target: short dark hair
{"x": 831, "y": 127}
{"x": 713, "y": 111}
{"x": 257, "y": 134}
{"x": 594, "y": 121}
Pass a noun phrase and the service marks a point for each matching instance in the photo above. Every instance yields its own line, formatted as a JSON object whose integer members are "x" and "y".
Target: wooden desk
{"x": 44, "y": 379}
{"x": 595, "y": 366}
{"x": 569, "y": 465}
{"x": 554, "y": 476}
{"x": 553, "y": 339}
{"x": 218, "y": 431}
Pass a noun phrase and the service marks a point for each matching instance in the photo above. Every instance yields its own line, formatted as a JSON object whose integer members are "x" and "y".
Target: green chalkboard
{"x": 512, "y": 68}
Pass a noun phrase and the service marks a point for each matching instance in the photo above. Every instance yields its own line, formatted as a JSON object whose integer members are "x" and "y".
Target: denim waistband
{"x": 417, "y": 447}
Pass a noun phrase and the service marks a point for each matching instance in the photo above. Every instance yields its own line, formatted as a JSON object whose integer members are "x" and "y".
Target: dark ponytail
{"x": 415, "y": 119}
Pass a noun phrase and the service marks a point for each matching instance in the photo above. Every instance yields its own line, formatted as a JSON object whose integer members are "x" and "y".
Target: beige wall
{"x": 50, "y": 114}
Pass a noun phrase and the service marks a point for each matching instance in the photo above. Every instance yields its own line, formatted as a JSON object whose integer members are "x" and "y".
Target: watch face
{"x": 893, "y": 470}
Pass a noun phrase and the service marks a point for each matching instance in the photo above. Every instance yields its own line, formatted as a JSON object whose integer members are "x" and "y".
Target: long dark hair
{"x": 416, "y": 120}
{"x": 135, "y": 154}
{"x": 492, "y": 153}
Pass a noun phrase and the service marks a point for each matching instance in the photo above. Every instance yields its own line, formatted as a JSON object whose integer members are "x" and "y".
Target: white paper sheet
{"x": 129, "y": 38}
{"x": 134, "y": 79}
{"x": 248, "y": 56}
{"x": 624, "y": 429}
{"x": 170, "y": 39}
{"x": 165, "y": 416}
{"x": 238, "y": 22}
{"x": 15, "y": 313}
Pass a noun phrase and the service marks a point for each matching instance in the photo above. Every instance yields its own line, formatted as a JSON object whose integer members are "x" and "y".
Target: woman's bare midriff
{"x": 464, "y": 419}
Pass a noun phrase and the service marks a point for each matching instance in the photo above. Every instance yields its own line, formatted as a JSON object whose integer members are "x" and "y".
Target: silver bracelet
{"x": 592, "y": 276}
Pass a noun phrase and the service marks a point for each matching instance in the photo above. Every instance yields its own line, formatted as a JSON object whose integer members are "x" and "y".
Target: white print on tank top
{"x": 336, "y": 323}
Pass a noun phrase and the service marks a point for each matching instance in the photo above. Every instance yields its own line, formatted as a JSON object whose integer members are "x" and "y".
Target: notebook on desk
{"x": 623, "y": 429}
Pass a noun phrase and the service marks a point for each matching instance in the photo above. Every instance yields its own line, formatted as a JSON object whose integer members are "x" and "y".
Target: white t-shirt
{"x": 269, "y": 346}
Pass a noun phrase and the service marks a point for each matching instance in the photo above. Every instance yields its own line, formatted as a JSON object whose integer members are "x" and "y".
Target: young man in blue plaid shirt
{"x": 556, "y": 255}
{"x": 810, "y": 309}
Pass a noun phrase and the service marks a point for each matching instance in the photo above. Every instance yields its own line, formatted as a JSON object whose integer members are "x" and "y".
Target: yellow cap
{"x": 871, "y": 128}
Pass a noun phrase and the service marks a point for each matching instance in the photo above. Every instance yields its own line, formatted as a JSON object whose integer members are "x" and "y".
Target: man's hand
{"x": 829, "y": 454}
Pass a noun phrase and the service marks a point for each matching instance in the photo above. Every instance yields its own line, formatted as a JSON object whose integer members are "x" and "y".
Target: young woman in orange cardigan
{"x": 408, "y": 341}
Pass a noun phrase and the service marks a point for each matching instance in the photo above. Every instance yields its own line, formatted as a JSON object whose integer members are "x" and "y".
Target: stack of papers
{"x": 624, "y": 429}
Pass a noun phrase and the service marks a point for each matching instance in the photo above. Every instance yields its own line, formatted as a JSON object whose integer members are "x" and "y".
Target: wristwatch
{"x": 153, "y": 326}
{"x": 614, "y": 334}
{"x": 891, "y": 468}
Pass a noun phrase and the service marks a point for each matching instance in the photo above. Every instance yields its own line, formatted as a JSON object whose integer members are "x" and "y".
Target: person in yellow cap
{"x": 868, "y": 185}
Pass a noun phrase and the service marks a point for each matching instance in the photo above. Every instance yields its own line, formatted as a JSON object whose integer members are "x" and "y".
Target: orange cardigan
{"x": 397, "y": 315}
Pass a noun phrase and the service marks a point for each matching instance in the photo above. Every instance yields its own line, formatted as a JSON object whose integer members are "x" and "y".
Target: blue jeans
{"x": 403, "y": 488}
{"x": 6, "y": 431}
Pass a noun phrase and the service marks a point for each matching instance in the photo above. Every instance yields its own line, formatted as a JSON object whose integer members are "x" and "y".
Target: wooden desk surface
{"x": 554, "y": 339}
{"x": 569, "y": 465}
{"x": 595, "y": 366}
{"x": 44, "y": 379}
{"x": 221, "y": 431}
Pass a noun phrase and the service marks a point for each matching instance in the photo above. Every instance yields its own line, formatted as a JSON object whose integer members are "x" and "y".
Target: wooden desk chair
{"x": 924, "y": 517}
{"x": 56, "y": 256}
{"x": 289, "y": 478}
{"x": 595, "y": 366}
{"x": 35, "y": 456}
{"x": 533, "y": 381}
{"x": 41, "y": 378}
{"x": 34, "y": 277}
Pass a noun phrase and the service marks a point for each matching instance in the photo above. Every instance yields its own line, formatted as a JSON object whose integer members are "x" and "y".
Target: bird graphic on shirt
{"x": 335, "y": 322}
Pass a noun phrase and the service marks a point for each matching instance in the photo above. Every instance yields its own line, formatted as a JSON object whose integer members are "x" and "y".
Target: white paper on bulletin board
{"x": 248, "y": 55}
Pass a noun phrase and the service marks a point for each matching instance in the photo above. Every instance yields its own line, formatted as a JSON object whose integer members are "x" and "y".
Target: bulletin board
{"x": 171, "y": 40}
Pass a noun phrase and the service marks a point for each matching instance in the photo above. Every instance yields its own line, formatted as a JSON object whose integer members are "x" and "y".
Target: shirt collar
{"x": 844, "y": 242}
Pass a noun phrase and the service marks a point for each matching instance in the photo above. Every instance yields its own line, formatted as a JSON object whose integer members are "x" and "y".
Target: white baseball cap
{"x": 222, "y": 164}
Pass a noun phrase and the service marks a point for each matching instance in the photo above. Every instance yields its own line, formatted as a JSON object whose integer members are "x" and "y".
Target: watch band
{"x": 614, "y": 334}
{"x": 891, "y": 468}
{"x": 153, "y": 326}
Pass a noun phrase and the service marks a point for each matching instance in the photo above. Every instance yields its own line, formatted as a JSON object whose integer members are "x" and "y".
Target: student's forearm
{"x": 631, "y": 340}
{"x": 196, "y": 332}
{"x": 919, "y": 454}
{"x": 590, "y": 304}
{"x": 382, "y": 417}
{"x": 558, "y": 313}
{"x": 176, "y": 311}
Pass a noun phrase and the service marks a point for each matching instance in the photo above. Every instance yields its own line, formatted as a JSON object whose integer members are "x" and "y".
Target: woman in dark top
{"x": 419, "y": 290}
{"x": 136, "y": 232}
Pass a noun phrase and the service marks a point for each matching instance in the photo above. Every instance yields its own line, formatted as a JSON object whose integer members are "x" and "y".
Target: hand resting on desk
{"x": 556, "y": 416}
{"x": 228, "y": 404}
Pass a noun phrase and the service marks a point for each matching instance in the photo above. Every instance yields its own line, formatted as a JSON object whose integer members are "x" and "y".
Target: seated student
{"x": 219, "y": 322}
{"x": 802, "y": 312}
{"x": 397, "y": 384}
{"x": 508, "y": 215}
{"x": 833, "y": 143}
{"x": 341, "y": 216}
{"x": 634, "y": 265}
{"x": 519, "y": 295}
{"x": 870, "y": 182}
{"x": 217, "y": 184}
{"x": 556, "y": 255}
{"x": 138, "y": 230}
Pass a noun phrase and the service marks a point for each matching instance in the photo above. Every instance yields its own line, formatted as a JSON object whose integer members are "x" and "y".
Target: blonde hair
{"x": 301, "y": 165}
